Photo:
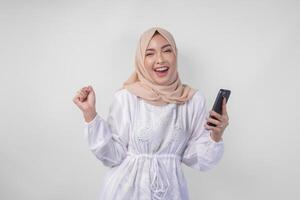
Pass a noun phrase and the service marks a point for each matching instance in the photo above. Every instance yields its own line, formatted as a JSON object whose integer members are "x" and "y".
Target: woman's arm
{"x": 108, "y": 139}
{"x": 202, "y": 152}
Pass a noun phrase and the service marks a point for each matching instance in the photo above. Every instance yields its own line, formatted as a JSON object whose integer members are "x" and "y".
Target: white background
{"x": 50, "y": 49}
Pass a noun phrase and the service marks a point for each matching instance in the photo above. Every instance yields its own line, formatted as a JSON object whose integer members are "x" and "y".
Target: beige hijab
{"x": 142, "y": 85}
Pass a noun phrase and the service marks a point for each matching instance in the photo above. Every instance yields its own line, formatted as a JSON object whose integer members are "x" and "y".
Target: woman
{"x": 155, "y": 123}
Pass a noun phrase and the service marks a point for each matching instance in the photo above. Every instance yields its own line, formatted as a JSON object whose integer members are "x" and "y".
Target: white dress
{"x": 144, "y": 145}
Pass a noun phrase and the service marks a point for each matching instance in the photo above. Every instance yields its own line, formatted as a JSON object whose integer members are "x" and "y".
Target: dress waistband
{"x": 144, "y": 155}
{"x": 159, "y": 173}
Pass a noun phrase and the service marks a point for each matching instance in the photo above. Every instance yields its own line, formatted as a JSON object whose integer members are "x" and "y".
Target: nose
{"x": 160, "y": 58}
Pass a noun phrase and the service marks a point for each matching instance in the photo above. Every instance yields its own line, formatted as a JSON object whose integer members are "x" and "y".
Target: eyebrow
{"x": 166, "y": 45}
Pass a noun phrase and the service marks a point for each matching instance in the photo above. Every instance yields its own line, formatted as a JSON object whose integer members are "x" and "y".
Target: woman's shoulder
{"x": 124, "y": 95}
{"x": 197, "y": 98}
{"x": 196, "y": 104}
{"x": 124, "y": 102}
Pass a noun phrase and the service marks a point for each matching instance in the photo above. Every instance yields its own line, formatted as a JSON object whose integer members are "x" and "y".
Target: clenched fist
{"x": 85, "y": 99}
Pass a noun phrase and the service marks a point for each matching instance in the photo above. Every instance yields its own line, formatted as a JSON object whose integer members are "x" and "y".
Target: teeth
{"x": 161, "y": 69}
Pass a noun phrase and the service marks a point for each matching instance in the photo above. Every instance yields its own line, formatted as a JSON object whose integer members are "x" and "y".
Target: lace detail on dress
{"x": 176, "y": 132}
{"x": 162, "y": 125}
{"x": 143, "y": 130}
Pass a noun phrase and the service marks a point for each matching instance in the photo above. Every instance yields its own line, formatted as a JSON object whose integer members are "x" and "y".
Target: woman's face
{"x": 160, "y": 60}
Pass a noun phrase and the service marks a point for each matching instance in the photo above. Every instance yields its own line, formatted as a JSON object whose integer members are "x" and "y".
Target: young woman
{"x": 155, "y": 123}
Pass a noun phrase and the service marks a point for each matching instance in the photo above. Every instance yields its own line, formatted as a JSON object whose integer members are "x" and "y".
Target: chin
{"x": 162, "y": 81}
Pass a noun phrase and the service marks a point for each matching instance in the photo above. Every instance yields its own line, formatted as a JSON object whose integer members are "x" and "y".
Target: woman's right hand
{"x": 85, "y": 99}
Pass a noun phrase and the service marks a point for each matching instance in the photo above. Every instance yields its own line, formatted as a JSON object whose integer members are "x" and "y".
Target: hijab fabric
{"x": 142, "y": 85}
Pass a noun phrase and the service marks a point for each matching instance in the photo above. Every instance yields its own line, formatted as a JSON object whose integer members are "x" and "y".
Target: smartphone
{"x": 223, "y": 93}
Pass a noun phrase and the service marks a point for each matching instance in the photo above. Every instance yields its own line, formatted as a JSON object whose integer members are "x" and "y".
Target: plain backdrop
{"x": 51, "y": 49}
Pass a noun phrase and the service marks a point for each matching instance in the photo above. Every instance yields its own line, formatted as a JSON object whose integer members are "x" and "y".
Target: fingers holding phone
{"x": 218, "y": 118}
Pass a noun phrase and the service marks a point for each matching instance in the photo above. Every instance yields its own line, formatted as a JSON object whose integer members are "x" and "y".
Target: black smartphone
{"x": 223, "y": 93}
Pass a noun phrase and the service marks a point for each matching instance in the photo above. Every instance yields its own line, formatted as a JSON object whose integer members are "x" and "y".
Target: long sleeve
{"x": 108, "y": 140}
{"x": 202, "y": 152}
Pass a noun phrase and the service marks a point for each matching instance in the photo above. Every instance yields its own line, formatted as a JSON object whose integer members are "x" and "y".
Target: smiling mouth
{"x": 161, "y": 71}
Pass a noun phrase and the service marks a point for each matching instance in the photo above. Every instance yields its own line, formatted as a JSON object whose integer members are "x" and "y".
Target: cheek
{"x": 172, "y": 70}
{"x": 148, "y": 64}
{"x": 172, "y": 59}
{"x": 173, "y": 63}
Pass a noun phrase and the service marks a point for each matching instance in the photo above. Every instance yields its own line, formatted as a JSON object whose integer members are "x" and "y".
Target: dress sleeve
{"x": 202, "y": 152}
{"x": 108, "y": 140}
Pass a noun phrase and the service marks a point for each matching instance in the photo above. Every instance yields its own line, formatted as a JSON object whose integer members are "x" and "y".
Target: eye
{"x": 168, "y": 50}
{"x": 149, "y": 54}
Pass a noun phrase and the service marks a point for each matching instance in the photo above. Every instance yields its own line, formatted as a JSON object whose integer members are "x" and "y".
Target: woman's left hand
{"x": 221, "y": 122}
